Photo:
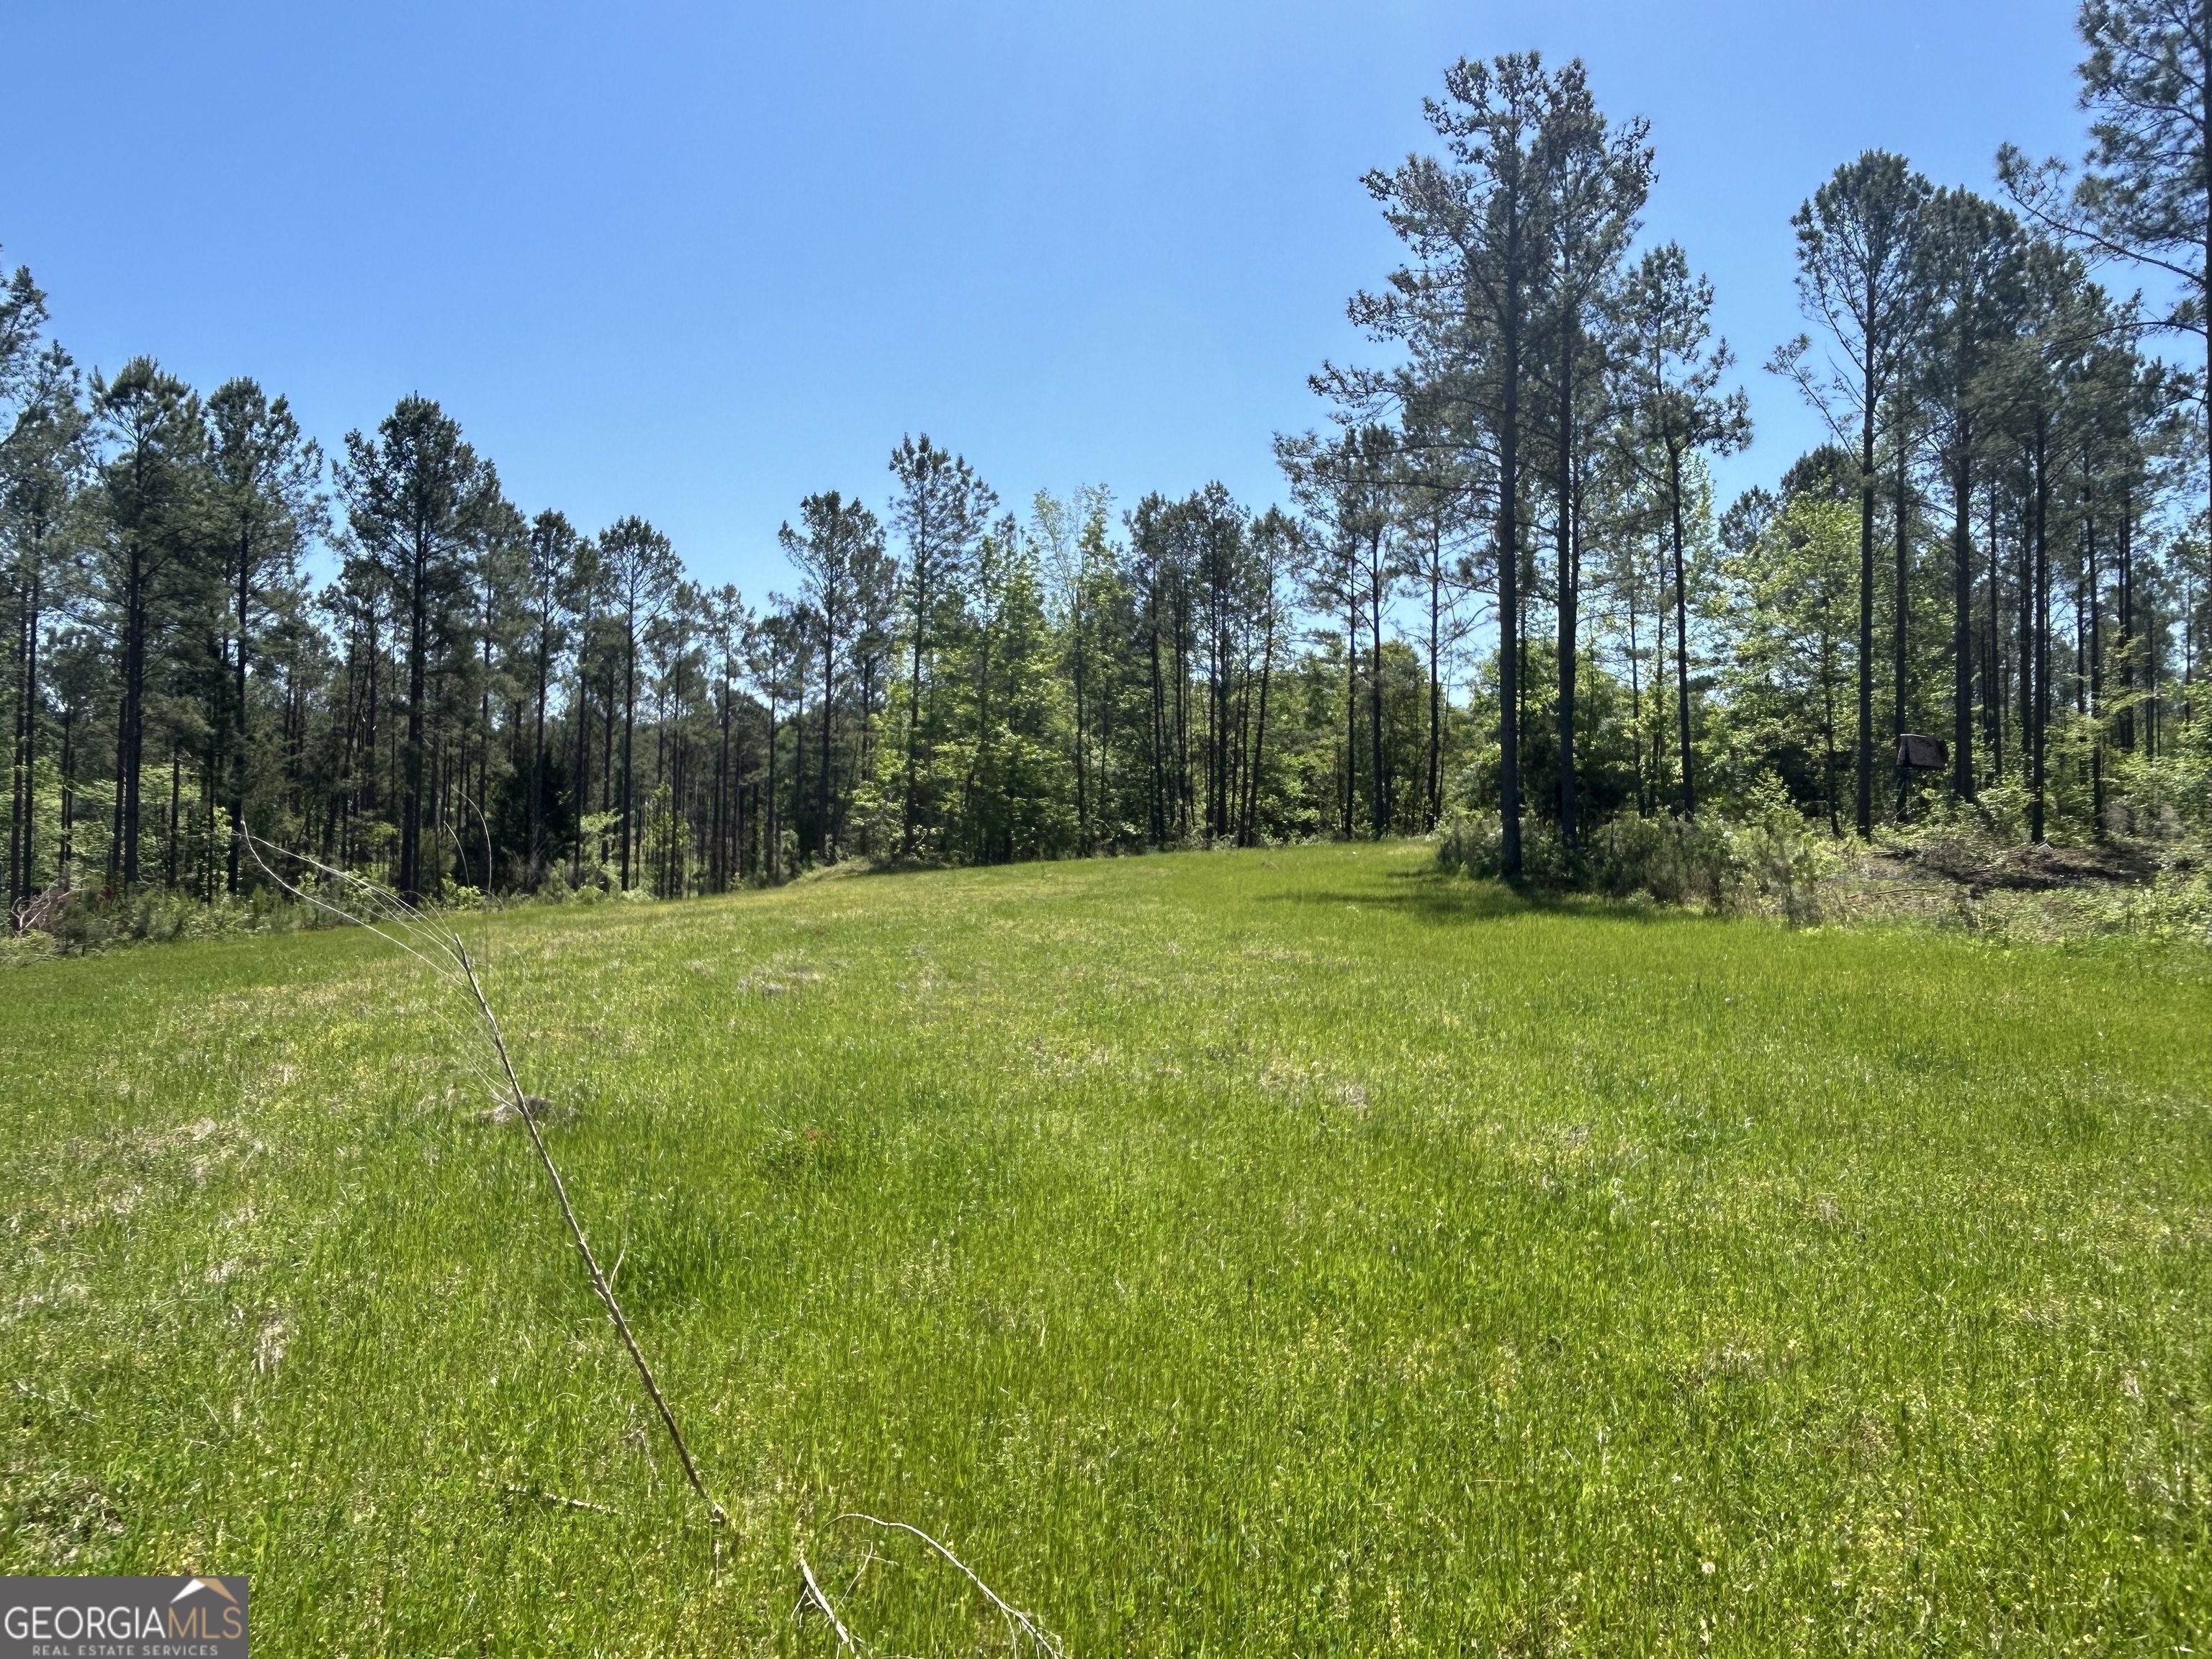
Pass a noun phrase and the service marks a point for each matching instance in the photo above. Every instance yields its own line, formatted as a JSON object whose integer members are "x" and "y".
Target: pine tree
{"x": 265, "y": 505}
{"x": 419, "y": 504}
{"x": 154, "y": 499}
{"x": 940, "y": 511}
{"x": 1674, "y": 413}
{"x": 1858, "y": 262}
{"x": 641, "y": 575}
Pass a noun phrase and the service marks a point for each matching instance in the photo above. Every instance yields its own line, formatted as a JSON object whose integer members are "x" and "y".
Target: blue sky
{"x": 696, "y": 261}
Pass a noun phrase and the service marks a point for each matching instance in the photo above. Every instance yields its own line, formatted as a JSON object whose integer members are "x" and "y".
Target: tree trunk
{"x": 1260, "y": 731}
{"x": 628, "y": 795}
{"x": 2041, "y": 644}
{"x": 240, "y": 730}
{"x": 822, "y": 837}
{"x": 1431, "y": 809}
{"x": 1569, "y": 582}
{"x": 2096, "y": 690}
{"x": 23, "y": 838}
{"x": 1962, "y": 621}
{"x": 1380, "y": 801}
{"x": 410, "y": 808}
{"x": 912, "y": 706}
{"x": 1681, "y": 628}
{"x": 1901, "y": 603}
{"x": 1508, "y": 560}
{"x": 1864, "y": 821}
{"x": 1351, "y": 709}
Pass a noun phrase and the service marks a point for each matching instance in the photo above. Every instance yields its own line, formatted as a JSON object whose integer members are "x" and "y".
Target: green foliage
{"x": 1791, "y": 601}
{"x": 1770, "y": 859}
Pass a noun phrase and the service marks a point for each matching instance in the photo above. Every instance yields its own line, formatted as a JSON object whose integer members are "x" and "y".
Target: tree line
{"x": 1499, "y": 579}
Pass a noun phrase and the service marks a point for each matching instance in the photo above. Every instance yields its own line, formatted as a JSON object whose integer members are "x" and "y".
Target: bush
{"x": 1471, "y": 844}
{"x": 1770, "y": 860}
{"x": 2167, "y": 799}
{"x": 91, "y": 920}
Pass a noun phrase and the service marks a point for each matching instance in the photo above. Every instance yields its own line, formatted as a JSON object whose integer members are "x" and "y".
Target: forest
{"x": 1499, "y": 585}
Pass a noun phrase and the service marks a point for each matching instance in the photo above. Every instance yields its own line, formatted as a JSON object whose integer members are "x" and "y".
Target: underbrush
{"x": 81, "y": 922}
{"x": 1772, "y": 861}
{"x": 1967, "y": 868}
{"x": 88, "y": 920}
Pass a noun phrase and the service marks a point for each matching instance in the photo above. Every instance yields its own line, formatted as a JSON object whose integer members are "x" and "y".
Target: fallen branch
{"x": 607, "y": 1293}
{"x": 440, "y": 947}
{"x": 813, "y": 1593}
{"x": 1017, "y": 1622}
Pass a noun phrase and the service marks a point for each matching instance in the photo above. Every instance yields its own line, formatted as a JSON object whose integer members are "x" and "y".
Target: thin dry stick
{"x": 1046, "y": 1641}
{"x": 448, "y": 942}
{"x": 521, "y": 1103}
{"x": 814, "y": 1594}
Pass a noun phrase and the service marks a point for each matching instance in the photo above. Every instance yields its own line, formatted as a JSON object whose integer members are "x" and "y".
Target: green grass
{"x": 1286, "y": 1253}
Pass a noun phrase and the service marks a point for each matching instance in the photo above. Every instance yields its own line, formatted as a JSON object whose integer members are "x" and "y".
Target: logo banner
{"x": 123, "y": 1617}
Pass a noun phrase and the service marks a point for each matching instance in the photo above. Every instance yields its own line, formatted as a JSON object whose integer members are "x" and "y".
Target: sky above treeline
{"x": 696, "y": 261}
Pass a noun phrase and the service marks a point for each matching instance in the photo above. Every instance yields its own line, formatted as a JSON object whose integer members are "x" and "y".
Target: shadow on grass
{"x": 1434, "y": 897}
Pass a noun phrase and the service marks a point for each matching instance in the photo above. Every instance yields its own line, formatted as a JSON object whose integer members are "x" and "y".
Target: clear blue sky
{"x": 695, "y": 261}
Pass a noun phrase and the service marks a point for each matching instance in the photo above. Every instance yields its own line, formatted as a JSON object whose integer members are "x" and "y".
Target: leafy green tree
{"x": 1160, "y": 574}
{"x": 553, "y": 589}
{"x": 1004, "y": 733}
{"x": 1221, "y": 569}
{"x": 1345, "y": 489}
{"x": 1277, "y": 544}
{"x": 777, "y": 654}
{"x": 2032, "y": 390}
{"x": 730, "y": 627}
{"x": 1434, "y": 493}
{"x": 1467, "y": 305}
{"x": 1791, "y": 583}
{"x": 1597, "y": 181}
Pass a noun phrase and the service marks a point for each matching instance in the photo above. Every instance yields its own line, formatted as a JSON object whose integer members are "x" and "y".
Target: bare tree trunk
{"x": 1681, "y": 628}
{"x": 1433, "y": 809}
{"x": 1864, "y": 821}
{"x": 1380, "y": 801}
{"x": 2041, "y": 644}
{"x": 2096, "y": 687}
{"x": 1962, "y": 637}
{"x": 1569, "y": 584}
{"x": 1509, "y": 567}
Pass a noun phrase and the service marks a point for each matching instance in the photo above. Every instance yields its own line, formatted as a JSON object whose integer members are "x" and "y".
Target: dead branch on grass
{"x": 1019, "y": 1624}
{"x": 440, "y": 947}
{"x": 812, "y": 1592}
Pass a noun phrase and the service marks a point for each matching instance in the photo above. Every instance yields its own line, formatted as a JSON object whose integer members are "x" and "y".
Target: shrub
{"x": 1772, "y": 860}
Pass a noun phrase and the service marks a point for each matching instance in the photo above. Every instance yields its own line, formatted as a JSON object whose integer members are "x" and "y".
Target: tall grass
{"x": 1300, "y": 1251}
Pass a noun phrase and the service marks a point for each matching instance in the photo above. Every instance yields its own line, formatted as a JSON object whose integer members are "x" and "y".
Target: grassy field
{"x": 1296, "y": 1252}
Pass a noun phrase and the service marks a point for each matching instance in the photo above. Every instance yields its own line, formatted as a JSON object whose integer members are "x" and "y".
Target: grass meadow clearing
{"x": 1286, "y": 1252}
